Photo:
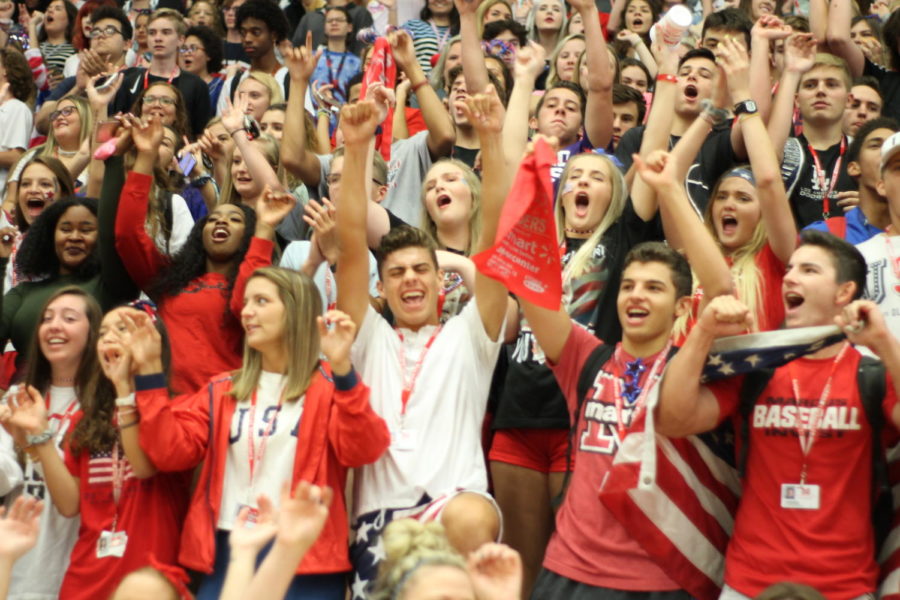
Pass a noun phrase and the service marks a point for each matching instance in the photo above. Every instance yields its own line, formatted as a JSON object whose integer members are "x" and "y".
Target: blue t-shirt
{"x": 858, "y": 227}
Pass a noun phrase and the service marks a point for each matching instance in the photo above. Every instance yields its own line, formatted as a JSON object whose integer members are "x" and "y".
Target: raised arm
{"x": 767, "y": 29}
{"x": 358, "y": 123}
{"x": 474, "y": 69}
{"x": 656, "y": 133}
{"x": 840, "y": 13}
{"x": 799, "y": 57}
{"x": 441, "y": 133}
{"x": 660, "y": 171}
{"x": 529, "y": 64}
{"x": 257, "y": 165}
{"x": 295, "y": 156}
{"x": 687, "y": 407}
{"x": 485, "y": 112}
{"x": 598, "y": 115}
{"x": 776, "y": 211}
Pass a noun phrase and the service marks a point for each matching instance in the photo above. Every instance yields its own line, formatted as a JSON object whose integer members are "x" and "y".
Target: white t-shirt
{"x": 881, "y": 281}
{"x": 39, "y": 573}
{"x": 437, "y": 447}
{"x": 296, "y": 254}
{"x": 182, "y": 223}
{"x": 15, "y": 131}
{"x": 278, "y": 450}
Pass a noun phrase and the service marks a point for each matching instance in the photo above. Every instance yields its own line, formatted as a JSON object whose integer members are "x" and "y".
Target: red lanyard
{"x": 335, "y": 75}
{"x": 257, "y": 454}
{"x": 408, "y": 386}
{"x": 820, "y": 174}
{"x": 649, "y": 382}
{"x": 169, "y": 80}
{"x": 806, "y": 433}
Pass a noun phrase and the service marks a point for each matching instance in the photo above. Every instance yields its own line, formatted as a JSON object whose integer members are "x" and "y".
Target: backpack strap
{"x": 592, "y": 366}
{"x": 792, "y": 164}
{"x": 752, "y": 388}
{"x": 870, "y": 378}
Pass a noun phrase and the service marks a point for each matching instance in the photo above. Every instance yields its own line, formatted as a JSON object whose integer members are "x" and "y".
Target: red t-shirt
{"x": 770, "y": 305}
{"x": 150, "y": 511}
{"x": 832, "y": 548}
{"x": 589, "y": 545}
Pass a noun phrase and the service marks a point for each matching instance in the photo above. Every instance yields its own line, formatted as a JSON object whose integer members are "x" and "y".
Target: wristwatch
{"x": 746, "y": 107}
{"x": 712, "y": 114}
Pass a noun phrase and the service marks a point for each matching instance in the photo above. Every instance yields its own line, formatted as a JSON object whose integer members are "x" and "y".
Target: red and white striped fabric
{"x": 677, "y": 498}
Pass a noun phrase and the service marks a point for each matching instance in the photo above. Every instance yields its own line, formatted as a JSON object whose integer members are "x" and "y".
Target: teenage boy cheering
{"x": 165, "y": 32}
{"x": 434, "y": 406}
{"x": 814, "y": 159}
{"x": 809, "y": 457}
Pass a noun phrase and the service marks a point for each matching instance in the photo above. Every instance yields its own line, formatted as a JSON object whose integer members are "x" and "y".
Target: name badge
{"x": 404, "y": 440}
{"x": 800, "y": 496}
{"x": 112, "y": 544}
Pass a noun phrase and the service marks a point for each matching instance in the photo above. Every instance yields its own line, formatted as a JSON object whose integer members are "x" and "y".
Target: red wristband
{"x": 416, "y": 87}
{"x": 667, "y": 77}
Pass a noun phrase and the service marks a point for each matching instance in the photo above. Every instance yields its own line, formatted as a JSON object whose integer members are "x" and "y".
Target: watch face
{"x": 748, "y": 106}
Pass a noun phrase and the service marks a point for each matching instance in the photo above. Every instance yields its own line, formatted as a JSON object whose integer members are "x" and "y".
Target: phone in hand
{"x": 187, "y": 164}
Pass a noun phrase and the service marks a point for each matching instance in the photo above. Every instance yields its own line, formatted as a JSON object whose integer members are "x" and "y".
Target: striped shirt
{"x": 428, "y": 40}
{"x": 55, "y": 55}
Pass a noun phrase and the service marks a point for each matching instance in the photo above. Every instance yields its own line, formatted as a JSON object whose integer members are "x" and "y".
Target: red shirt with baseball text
{"x": 830, "y": 548}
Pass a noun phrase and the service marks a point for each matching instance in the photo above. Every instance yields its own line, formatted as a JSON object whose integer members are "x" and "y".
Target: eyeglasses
{"x": 98, "y": 32}
{"x": 191, "y": 49}
{"x": 335, "y": 20}
{"x": 142, "y": 11}
{"x": 163, "y": 100}
{"x": 63, "y": 112}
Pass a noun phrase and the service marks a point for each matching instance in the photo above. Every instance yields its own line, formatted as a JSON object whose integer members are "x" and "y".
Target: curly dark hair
{"x": 37, "y": 254}
{"x": 71, "y": 13}
{"x": 181, "y": 116}
{"x": 111, "y": 11}
{"x": 190, "y": 262}
{"x": 18, "y": 74}
{"x": 37, "y": 367}
{"x": 266, "y": 11}
{"x": 212, "y": 45}
{"x": 95, "y": 432}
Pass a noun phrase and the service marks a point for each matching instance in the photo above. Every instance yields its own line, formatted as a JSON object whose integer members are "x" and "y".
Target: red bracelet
{"x": 416, "y": 87}
{"x": 667, "y": 77}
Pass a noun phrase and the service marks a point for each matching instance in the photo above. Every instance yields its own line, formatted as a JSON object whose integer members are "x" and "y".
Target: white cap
{"x": 889, "y": 148}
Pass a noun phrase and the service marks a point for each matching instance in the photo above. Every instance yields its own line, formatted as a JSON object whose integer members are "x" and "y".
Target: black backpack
{"x": 870, "y": 379}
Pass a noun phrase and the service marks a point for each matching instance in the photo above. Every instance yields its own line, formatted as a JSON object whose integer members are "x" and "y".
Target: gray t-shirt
{"x": 410, "y": 161}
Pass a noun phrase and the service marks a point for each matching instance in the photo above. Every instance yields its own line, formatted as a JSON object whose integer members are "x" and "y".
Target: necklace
{"x": 574, "y": 231}
{"x": 66, "y": 153}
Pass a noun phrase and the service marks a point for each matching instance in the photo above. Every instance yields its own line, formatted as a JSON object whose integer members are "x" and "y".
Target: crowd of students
{"x": 257, "y": 342}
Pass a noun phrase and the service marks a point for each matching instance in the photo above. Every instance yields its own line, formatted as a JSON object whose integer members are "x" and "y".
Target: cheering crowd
{"x": 419, "y": 299}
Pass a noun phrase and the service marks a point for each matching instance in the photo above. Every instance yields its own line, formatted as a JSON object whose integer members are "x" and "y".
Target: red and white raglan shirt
{"x": 590, "y": 545}
{"x": 830, "y": 548}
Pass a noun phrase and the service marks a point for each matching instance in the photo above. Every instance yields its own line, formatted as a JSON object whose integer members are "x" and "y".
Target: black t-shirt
{"x": 194, "y": 90}
{"x": 715, "y": 157}
{"x": 807, "y": 196}
{"x": 889, "y": 82}
{"x": 466, "y": 155}
{"x": 234, "y": 53}
{"x": 531, "y": 397}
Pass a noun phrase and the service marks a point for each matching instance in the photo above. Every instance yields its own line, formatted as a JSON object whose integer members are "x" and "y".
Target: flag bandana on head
{"x": 677, "y": 497}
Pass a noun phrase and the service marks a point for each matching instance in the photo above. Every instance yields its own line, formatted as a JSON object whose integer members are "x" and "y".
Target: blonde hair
{"x": 86, "y": 117}
{"x": 486, "y": 6}
{"x": 531, "y": 22}
{"x": 744, "y": 271}
{"x": 268, "y": 145}
{"x": 552, "y": 75}
{"x": 300, "y": 335}
{"x": 581, "y": 261}
{"x": 275, "y": 94}
{"x": 408, "y": 546}
{"x": 173, "y": 15}
{"x": 474, "y": 185}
